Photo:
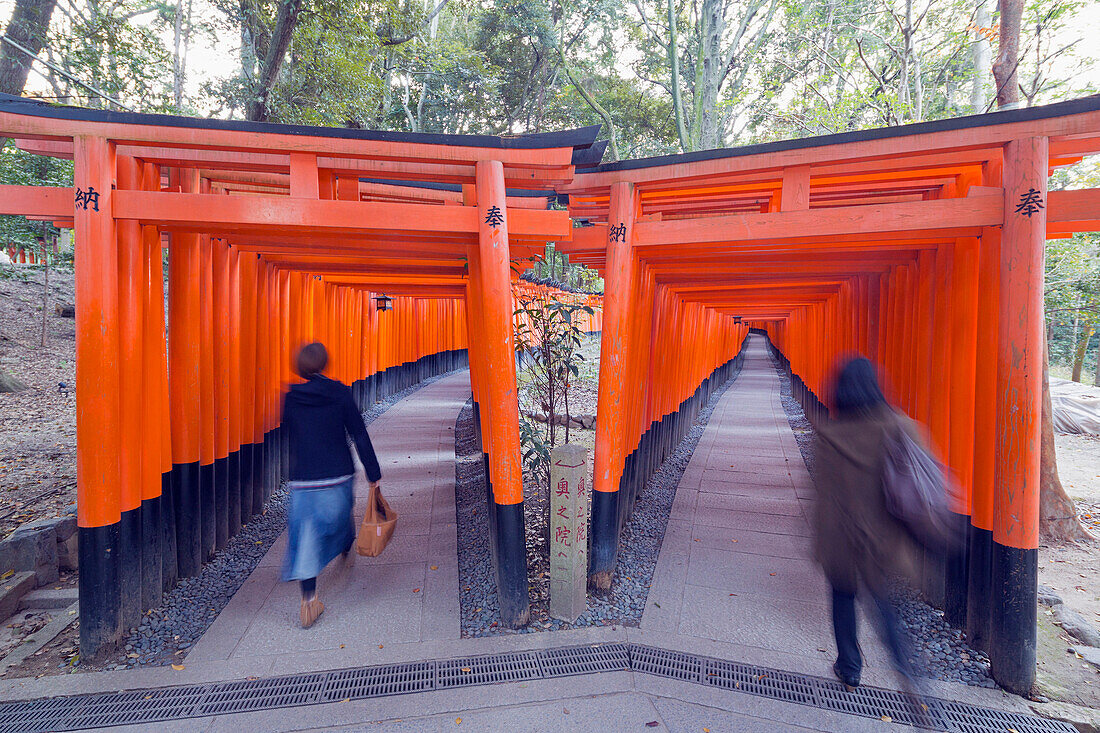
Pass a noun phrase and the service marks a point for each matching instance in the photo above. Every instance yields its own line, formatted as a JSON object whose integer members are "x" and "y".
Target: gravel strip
{"x": 940, "y": 652}
{"x": 166, "y": 633}
{"x": 639, "y": 544}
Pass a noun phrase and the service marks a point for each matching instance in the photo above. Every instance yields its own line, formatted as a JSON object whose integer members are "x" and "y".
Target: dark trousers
{"x": 848, "y": 660}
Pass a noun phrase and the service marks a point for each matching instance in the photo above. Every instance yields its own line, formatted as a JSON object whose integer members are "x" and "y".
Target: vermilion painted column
{"x": 613, "y": 389}
{"x": 206, "y": 394}
{"x": 980, "y": 546}
{"x": 184, "y": 272}
{"x": 248, "y": 384}
{"x": 505, "y": 467}
{"x": 233, "y": 392}
{"x": 158, "y": 520}
{"x": 97, "y": 397}
{"x": 222, "y": 328}
{"x": 964, "y": 343}
{"x": 131, "y": 274}
{"x": 1019, "y": 403}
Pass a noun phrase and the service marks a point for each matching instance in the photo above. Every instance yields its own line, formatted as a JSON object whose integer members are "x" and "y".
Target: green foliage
{"x": 546, "y": 331}
{"x": 22, "y": 169}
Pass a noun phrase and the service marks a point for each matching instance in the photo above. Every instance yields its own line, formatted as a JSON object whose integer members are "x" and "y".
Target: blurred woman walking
{"x": 857, "y": 540}
{"x": 318, "y": 416}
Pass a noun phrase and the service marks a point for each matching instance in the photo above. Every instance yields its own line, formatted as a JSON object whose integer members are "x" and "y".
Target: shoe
{"x": 311, "y": 611}
{"x": 850, "y": 683}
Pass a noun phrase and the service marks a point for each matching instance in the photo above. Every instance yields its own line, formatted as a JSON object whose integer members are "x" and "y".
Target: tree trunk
{"x": 285, "y": 23}
{"x": 28, "y": 26}
{"x": 1079, "y": 355}
{"x": 674, "y": 66}
{"x": 45, "y": 288}
{"x": 1058, "y": 521}
{"x": 707, "y": 127}
{"x": 1008, "y": 55}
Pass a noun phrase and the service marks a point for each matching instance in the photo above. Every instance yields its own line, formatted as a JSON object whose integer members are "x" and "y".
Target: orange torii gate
{"x": 378, "y": 244}
{"x": 906, "y": 244}
{"x": 900, "y": 243}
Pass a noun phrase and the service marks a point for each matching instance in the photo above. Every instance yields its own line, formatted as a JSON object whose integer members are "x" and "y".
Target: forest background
{"x": 661, "y": 76}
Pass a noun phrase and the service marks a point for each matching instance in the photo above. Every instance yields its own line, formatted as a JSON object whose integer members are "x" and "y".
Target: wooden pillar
{"x": 505, "y": 466}
{"x": 222, "y": 338}
{"x": 158, "y": 520}
{"x": 206, "y": 395}
{"x": 980, "y": 600}
{"x": 248, "y": 385}
{"x": 97, "y": 397}
{"x": 131, "y": 274}
{"x": 233, "y": 393}
{"x": 613, "y": 390}
{"x": 964, "y": 354}
{"x": 184, "y": 267}
{"x": 1019, "y": 401}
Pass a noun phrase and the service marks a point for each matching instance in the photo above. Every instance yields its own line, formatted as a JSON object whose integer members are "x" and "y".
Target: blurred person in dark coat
{"x": 857, "y": 541}
{"x": 318, "y": 416}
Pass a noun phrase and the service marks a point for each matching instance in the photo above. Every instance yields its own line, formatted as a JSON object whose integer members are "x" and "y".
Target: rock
{"x": 68, "y": 555}
{"x": 1086, "y": 720}
{"x": 64, "y": 526}
{"x": 12, "y": 591}
{"x": 1090, "y": 654}
{"x": 65, "y": 310}
{"x": 1048, "y": 597}
{"x": 31, "y": 548}
{"x": 8, "y": 383}
{"x": 1076, "y": 626}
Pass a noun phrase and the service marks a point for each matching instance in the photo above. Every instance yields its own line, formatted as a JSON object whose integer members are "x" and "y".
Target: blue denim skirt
{"x": 319, "y": 526}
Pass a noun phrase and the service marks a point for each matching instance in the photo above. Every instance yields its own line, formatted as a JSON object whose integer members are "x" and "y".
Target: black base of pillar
{"x": 169, "y": 568}
{"x": 152, "y": 549}
{"x": 979, "y": 587}
{"x": 955, "y": 580}
{"x": 99, "y": 593}
{"x": 129, "y": 568}
{"x": 233, "y": 491}
{"x": 515, "y": 601}
{"x": 207, "y": 510}
{"x": 259, "y": 457}
{"x": 248, "y": 480}
{"x": 221, "y": 503}
{"x": 603, "y": 548}
{"x": 1012, "y": 624}
{"x": 185, "y": 488}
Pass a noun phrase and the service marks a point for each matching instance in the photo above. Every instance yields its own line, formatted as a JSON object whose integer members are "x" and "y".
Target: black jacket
{"x": 316, "y": 415}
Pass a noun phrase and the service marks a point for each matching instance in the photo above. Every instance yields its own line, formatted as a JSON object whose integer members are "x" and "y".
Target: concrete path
{"x": 407, "y": 595}
{"x": 736, "y": 565}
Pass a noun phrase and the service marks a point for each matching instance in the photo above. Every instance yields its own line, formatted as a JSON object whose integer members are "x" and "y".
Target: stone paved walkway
{"x": 736, "y": 563}
{"x": 407, "y": 595}
{"x": 711, "y": 596}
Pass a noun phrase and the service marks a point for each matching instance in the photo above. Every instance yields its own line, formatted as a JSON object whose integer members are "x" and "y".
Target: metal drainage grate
{"x": 178, "y": 703}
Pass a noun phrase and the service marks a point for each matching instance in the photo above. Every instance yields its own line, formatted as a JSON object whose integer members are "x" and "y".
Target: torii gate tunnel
{"x": 919, "y": 246}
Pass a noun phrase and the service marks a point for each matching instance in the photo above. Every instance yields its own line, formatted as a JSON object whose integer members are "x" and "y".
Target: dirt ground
{"x": 38, "y": 425}
{"x": 1074, "y": 573}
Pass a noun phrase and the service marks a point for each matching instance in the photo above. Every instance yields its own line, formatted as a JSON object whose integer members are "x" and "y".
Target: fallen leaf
{"x": 887, "y": 719}
{"x": 341, "y": 646}
{"x": 565, "y": 711}
{"x": 465, "y": 669}
{"x": 458, "y": 721}
{"x": 416, "y": 590}
{"x": 7, "y": 575}
{"x": 177, "y": 667}
{"x": 655, "y": 603}
{"x": 379, "y": 646}
{"x": 771, "y": 573}
{"x": 706, "y": 730}
{"x": 733, "y": 540}
{"x": 652, "y": 724}
{"x": 435, "y": 567}
{"x": 346, "y": 699}
{"x": 696, "y": 540}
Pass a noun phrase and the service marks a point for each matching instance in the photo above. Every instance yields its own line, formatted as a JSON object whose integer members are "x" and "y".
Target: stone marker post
{"x": 569, "y": 495}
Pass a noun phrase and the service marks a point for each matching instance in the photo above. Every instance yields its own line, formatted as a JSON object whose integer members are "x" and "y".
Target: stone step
{"x": 47, "y": 598}
{"x": 12, "y": 590}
